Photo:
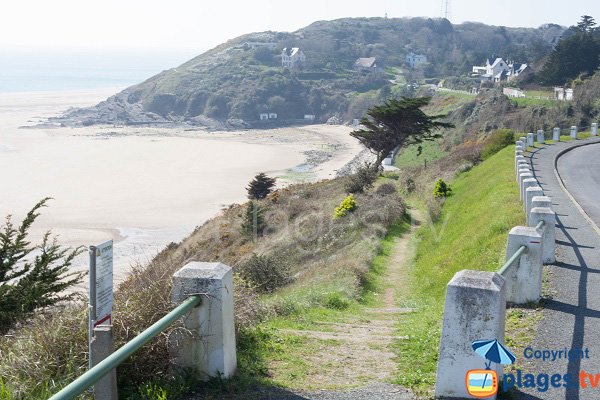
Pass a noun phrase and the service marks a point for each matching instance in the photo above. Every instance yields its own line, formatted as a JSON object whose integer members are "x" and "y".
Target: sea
{"x": 60, "y": 69}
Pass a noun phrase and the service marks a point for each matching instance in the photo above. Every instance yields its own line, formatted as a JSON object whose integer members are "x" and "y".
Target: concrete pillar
{"x": 574, "y": 132}
{"x": 530, "y": 139}
{"x": 210, "y": 348}
{"x": 520, "y": 145}
{"x": 540, "y": 137}
{"x": 524, "y": 276}
{"x": 523, "y": 168}
{"x": 520, "y": 162}
{"x": 527, "y": 183}
{"x": 523, "y": 139}
{"x": 522, "y": 177}
{"x": 530, "y": 193}
{"x": 594, "y": 129}
{"x": 475, "y": 309}
{"x": 102, "y": 346}
{"x": 541, "y": 201}
{"x": 556, "y": 134}
{"x": 548, "y": 231}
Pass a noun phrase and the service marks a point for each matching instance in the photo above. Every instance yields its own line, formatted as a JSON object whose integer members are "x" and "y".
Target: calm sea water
{"x": 26, "y": 70}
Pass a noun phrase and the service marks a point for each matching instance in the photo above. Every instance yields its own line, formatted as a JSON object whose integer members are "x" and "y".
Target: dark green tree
{"x": 441, "y": 189}
{"x": 573, "y": 55}
{"x": 32, "y": 277}
{"x": 260, "y": 186}
{"x": 253, "y": 223}
{"x": 398, "y": 123}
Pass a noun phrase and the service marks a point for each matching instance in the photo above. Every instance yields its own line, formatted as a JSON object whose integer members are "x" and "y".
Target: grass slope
{"x": 468, "y": 235}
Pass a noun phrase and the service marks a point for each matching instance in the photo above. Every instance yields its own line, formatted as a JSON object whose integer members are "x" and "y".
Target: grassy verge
{"x": 468, "y": 235}
{"x": 409, "y": 156}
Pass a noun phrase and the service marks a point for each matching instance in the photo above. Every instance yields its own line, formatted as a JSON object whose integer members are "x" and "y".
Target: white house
{"x": 310, "y": 117}
{"x": 495, "y": 71}
{"x": 513, "y": 92}
{"x": 516, "y": 70}
{"x": 272, "y": 115}
{"x": 414, "y": 60}
{"x": 263, "y": 116}
{"x": 292, "y": 58}
{"x": 366, "y": 64}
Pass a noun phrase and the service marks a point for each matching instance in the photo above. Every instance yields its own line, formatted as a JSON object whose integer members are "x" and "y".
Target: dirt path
{"x": 357, "y": 351}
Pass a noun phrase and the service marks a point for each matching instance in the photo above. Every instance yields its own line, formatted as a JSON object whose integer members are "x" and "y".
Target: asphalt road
{"x": 580, "y": 171}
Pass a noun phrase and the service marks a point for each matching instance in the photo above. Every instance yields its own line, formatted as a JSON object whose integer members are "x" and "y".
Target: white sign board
{"x": 104, "y": 283}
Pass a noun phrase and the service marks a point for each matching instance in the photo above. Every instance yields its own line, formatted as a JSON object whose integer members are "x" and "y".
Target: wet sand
{"x": 142, "y": 187}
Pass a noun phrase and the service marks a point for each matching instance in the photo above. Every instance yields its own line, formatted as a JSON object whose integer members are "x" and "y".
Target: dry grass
{"x": 325, "y": 256}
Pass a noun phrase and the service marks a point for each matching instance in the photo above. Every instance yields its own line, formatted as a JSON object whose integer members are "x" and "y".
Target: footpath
{"x": 571, "y": 308}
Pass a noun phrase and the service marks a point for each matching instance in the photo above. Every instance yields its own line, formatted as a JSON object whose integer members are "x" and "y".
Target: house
{"x": 495, "y": 71}
{"x": 366, "y": 64}
{"x": 513, "y": 92}
{"x": 414, "y": 60}
{"x": 263, "y": 116}
{"x": 563, "y": 94}
{"x": 292, "y": 58}
{"x": 255, "y": 45}
{"x": 518, "y": 71}
{"x": 272, "y": 116}
{"x": 310, "y": 117}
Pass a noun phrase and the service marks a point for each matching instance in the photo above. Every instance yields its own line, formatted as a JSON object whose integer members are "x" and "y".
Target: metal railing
{"x": 79, "y": 385}
{"x": 502, "y": 271}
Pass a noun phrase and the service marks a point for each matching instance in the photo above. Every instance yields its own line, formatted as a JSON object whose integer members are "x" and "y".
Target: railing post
{"x": 540, "y": 136}
{"x": 520, "y": 162}
{"x": 523, "y": 174}
{"x": 210, "y": 348}
{"x": 556, "y": 134}
{"x": 520, "y": 145}
{"x": 103, "y": 346}
{"x": 594, "y": 129}
{"x": 548, "y": 231}
{"x": 527, "y": 183}
{"x": 475, "y": 309}
{"x": 541, "y": 201}
{"x": 530, "y": 139}
{"x": 530, "y": 193}
{"x": 574, "y": 132}
{"x": 523, "y": 139}
{"x": 524, "y": 277}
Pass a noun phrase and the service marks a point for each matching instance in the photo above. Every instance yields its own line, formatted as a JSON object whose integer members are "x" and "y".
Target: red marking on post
{"x": 108, "y": 317}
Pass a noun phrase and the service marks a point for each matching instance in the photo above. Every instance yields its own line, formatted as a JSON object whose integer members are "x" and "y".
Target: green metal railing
{"x": 517, "y": 254}
{"x": 79, "y": 385}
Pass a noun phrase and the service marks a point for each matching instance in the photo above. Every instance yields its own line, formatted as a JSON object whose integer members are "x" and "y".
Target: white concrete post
{"x": 103, "y": 345}
{"x": 519, "y": 162}
{"x": 556, "y": 134}
{"x": 475, "y": 309}
{"x": 520, "y": 146}
{"x": 522, "y": 177}
{"x": 574, "y": 132}
{"x": 594, "y": 129}
{"x": 530, "y": 193}
{"x": 524, "y": 276}
{"x": 540, "y": 136}
{"x": 523, "y": 168}
{"x": 523, "y": 139}
{"x": 548, "y": 231}
{"x": 530, "y": 139}
{"x": 541, "y": 201}
{"x": 527, "y": 183}
{"x": 210, "y": 348}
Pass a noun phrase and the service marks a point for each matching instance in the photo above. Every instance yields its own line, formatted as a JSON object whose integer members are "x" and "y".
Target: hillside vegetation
{"x": 235, "y": 82}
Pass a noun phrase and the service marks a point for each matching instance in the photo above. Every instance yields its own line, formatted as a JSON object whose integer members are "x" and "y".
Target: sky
{"x": 195, "y": 25}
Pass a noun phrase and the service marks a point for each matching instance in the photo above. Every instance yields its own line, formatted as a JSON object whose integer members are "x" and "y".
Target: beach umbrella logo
{"x": 482, "y": 383}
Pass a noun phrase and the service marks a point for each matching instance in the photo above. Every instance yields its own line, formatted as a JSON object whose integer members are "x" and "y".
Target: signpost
{"x": 101, "y": 288}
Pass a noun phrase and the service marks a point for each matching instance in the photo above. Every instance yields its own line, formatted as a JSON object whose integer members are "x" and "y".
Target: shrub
{"x": 363, "y": 178}
{"x": 497, "y": 141}
{"x": 441, "y": 189}
{"x": 266, "y": 272}
{"x": 28, "y": 283}
{"x": 260, "y": 187}
{"x": 253, "y": 223}
{"x": 347, "y": 205}
{"x": 386, "y": 188}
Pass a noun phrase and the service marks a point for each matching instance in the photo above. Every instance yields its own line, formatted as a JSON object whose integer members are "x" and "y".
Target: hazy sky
{"x": 200, "y": 24}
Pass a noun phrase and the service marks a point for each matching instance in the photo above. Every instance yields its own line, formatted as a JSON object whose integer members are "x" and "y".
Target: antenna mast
{"x": 446, "y": 9}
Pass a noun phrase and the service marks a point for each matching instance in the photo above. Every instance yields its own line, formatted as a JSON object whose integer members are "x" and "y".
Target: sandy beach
{"x": 142, "y": 187}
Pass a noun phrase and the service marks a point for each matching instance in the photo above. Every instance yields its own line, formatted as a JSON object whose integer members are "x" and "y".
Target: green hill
{"x": 238, "y": 80}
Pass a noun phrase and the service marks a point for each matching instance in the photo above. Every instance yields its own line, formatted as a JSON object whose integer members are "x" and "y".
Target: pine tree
{"x": 260, "y": 187}
{"x": 27, "y": 284}
{"x": 253, "y": 223}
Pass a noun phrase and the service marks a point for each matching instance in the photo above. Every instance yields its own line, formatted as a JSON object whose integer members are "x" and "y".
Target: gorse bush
{"x": 266, "y": 272}
{"x": 363, "y": 178}
{"x": 386, "y": 188}
{"x": 441, "y": 189}
{"x": 25, "y": 284}
{"x": 347, "y": 205}
{"x": 497, "y": 141}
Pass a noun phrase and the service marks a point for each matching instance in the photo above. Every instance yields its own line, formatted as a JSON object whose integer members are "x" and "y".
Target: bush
{"x": 260, "y": 187}
{"x": 28, "y": 283}
{"x": 363, "y": 178}
{"x": 441, "y": 189}
{"x": 266, "y": 272}
{"x": 347, "y": 205}
{"x": 386, "y": 188}
{"x": 497, "y": 141}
